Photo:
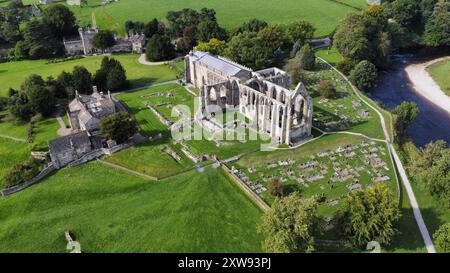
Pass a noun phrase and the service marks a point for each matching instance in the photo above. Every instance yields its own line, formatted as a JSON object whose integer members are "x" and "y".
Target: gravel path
{"x": 142, "y": 60}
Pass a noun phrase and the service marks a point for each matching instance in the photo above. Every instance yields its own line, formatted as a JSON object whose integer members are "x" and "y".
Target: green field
{"x": 110, "y": 211}
{"x": 11, "y": 153}
{"x": 323, "y": 14}
{"x": 440, "y": 72}
{"x": 12, "y": 74}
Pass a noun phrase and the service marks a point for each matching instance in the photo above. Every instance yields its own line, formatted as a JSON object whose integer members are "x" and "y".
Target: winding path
{"x": 13, "y": 138}
{"x": 412, "y": 198}
{"x": 143, "y": 60}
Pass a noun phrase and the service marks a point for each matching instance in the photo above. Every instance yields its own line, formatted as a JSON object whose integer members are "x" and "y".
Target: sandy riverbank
{"x": 424, "y": 84}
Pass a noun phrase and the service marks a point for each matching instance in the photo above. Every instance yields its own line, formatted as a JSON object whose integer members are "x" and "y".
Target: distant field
{"x": 440, "y": 72}
{"x": 12, "y": 74}
{"x": 324, "y": 14}
{"x": 111, "y": 211}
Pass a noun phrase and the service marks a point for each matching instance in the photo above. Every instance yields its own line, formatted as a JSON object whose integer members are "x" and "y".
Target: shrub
{"x": 21, "y": 173}
{"x": 364, "y": 76}
{"x": 275, "y": 187}
{"x": 346, "y": 66}
{"x": 442, "y": 238}
{"x": 326, "y": 89}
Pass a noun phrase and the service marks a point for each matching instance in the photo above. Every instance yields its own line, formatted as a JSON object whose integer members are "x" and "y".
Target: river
{"x": 394, "y": 87}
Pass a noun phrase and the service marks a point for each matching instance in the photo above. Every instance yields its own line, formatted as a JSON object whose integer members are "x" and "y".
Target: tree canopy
{"x": 159, "y": 48}
{"x": 289, "y": 226}
{"x": 103, "y": 40}
{"x": 119, "y": 127}
{"x": 364, "y": 76}
{"x": 369, "y": 215}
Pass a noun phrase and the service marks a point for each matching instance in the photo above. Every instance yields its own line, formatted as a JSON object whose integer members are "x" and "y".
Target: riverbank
{"x": 424, "y": 84}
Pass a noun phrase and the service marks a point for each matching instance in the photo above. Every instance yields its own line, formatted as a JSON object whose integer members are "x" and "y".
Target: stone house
{"x": 82, "y": 43}
{"x": 66, "y": 149}
{"x": 86, "y": 111}
{"x": 138, "y": 43}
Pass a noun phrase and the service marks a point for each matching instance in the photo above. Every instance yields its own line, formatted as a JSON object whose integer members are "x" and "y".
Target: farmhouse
{"x": 262, "y": 96}
{"x": 85, "y": 111}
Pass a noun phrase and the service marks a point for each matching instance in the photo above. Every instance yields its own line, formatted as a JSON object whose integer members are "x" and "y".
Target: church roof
{"x": 226, "y": 66}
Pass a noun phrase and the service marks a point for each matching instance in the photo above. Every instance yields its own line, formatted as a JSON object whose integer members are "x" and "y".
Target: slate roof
{"x": 66, "y": 143}
{"x": 226, "y": 66}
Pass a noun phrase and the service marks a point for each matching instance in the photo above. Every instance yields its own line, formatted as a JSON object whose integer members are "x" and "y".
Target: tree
{"x": 294, "y": 67}
{"x": 40, "y": 42}
{"x": 9, "y": 31}
{"x": 369, "y": 215}
{"x": 253, "y": 25}
{"x": 307, "y": 58}
{"x": 442, "y": 238}
{"x": 326, "y": 89}
{"x": 119, "y": 127}
{"x": 350, "y": 39}
{"x": 65, "y": 84}
{"x": 82, "y": 80}
{"x": 346, "y": 66}
{"x": 21, "y": 172}
{"x": 437, "y": 30}
{"x": 103, "y": 40}
{"x": 19, "y": 106}
{"x": 290, "y": 224}
{"x": 116, "y": 77}
{"x": 61, "y": 19}
{"x": 213, "y": 46}
{"x": 159, "y": 48}
{"x": 364, "y": 76}
{"x": 111, "y": 75}
{"x": 300, "y": 31}
{"x": 31, "y": 81}
{"x": 179, "y": 20}
{"x": 407, "y": 111}
{"x": 435, "y": 174}
{"x": 407, "y": 13}
{"x": 188, "y": 40}
{"x": 275, "y": 187}
{"x": 247, "y": 49}
{"x": 271, "y": 39}
{"x": 151, "y": 28}
{"x": 208, "y": 29}
{"x": 41, "y": 100}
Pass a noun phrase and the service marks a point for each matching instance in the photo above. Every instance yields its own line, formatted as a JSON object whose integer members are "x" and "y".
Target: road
{"x": 412, "y": 198}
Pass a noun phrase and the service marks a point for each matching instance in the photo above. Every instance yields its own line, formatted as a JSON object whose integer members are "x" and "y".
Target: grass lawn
{"x": 11, "y": 153}
{"x": 111, "y": 211}
{"x": 149, "y": 158}
{"x": 440, "y": 72}
{"x": 43, "y": 130}
{"x": 12, "y": 74}
{"x": 323, "y": 14}
{"x": 330, "y": 55}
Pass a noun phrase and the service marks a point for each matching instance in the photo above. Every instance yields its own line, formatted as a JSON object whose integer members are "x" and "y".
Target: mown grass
{"x": 11, "y": 153}
{"x": 323, "y": 14}
{"x": 12, "y": 74}
{"x": 440, "y": 72}
{"x": 111, "y": 211}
